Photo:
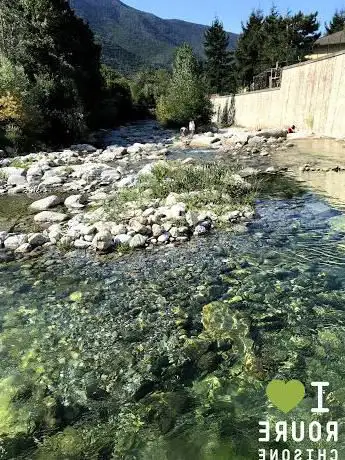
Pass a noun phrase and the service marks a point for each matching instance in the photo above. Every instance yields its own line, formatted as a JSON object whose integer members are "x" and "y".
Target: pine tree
{"x": 337, "y": 23}
{"x": 303, "y": 31}
{"x": 248, "y": 53}
{"x": 219, "y": 60}
{"x": 287, "y": 39}
{"x": 266, "y": 41}
{"x": 186, "y": 97}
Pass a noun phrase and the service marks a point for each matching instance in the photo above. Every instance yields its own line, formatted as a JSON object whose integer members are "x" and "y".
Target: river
{"x": 166, "y": 354}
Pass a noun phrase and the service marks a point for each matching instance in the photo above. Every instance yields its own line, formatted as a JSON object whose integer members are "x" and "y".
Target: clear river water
{"x": 166, "y": 354}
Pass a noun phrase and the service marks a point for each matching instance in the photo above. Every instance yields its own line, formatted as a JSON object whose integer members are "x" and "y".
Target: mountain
{"x": 132, "y": 39}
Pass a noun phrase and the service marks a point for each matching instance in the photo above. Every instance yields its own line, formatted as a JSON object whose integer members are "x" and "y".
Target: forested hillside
{"x": 132, "y": 39}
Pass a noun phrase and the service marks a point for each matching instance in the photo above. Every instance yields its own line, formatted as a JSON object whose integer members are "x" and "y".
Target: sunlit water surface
{"x": 166, "y": 354}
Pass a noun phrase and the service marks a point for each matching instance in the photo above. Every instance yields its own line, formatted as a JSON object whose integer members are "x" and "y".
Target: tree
{"x": 60, "y": 60}
{"x": 266, "y": 41}
{"x": 337, "y": 23}
{"x": 288, "y": 39}
{"x": 248, "y": 53}
{"x": 116, "y": 102}
{"x": 219, "y": 60}
{"x": 186, "y": 96}
{"x": 147, "y": 86}
{"x": 302, "y": 32}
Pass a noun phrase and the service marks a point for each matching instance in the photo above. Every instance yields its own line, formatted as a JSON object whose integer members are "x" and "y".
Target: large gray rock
{"x": 147, "y": 169}
{"x": 256, "y": 140}
{"x": 23, "y": 248}
{"x": 203, "y": 141}
{"x": 182, "y": 231}
{"x": 118, "y": 230}
{"x": 164, "y": 238}
{"x": 200, "y": 230}
{"x": 34, "y": 174}
{"x": 50, "y": 216}
{"x": 76, "y": 201}
{"x": 171, "y": 199}
{"x": 110, "y": 175}
{"x": 122, "y": 239}
{"x": 177, "y": 210}
{"x": 138, "y": 241}
{"x": 233, "y": 215}
{"x": 103, "y": 241}
{"x": 16, "y": 180}
{"x": 112, "y": 153}
{"x": 237, "y": 138}
{"x": 87, "y": 230}
{"x": 37, "y": 239}
{"x": 135, "y": 148}
{"x": 192, "y": 218}
{"x": 127, "y": 181}
{"x": 51, "y": 181}
{"x": 272, "y": 133}
{"x": 148, "y": 212}
{"x": 138, "y": 227}
{"x": 13, "y": 171}
{"x": 46, "y": 203}
{"x": 249, "y": 172}
{"x": 15, "y": 241}
{"x": 82, "y": 244}
{"x": 55, "y": 233}
{"x": 157, "y": 230}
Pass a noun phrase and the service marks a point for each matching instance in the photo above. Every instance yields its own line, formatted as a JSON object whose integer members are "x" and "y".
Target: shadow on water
{"x": 166, "y": 355}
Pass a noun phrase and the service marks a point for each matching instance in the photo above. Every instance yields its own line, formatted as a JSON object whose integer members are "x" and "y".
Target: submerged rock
{"x": 200, "y": 230}
{"x": 6, "y": 256}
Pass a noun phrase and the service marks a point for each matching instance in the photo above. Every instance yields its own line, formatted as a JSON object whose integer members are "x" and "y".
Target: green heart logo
{"x": 285, "y": 395}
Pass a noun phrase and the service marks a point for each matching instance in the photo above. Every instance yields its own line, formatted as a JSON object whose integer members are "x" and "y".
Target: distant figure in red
{"x": 291, "y": 129}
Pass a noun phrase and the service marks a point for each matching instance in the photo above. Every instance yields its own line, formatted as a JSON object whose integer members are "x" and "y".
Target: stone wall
{"x": 312, "y": 96}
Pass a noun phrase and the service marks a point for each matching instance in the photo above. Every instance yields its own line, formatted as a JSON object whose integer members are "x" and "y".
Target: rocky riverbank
{"x": 131, "y": 195}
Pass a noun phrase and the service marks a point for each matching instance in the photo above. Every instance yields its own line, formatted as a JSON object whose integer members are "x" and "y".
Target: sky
{"x": 231, "y": 12}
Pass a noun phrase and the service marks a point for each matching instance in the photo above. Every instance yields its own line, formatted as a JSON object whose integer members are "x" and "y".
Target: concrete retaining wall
{"x": 312, "y": 96}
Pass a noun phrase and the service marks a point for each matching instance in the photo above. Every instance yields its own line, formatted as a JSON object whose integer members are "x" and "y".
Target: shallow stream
{"x": 166, "y": 354}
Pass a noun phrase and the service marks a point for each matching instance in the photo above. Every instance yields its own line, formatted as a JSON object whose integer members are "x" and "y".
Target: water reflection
{"x": 330, "y": 184}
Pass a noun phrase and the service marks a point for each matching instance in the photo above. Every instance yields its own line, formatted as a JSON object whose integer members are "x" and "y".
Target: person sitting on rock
{"x": 183, "y": 131}
{"x": 291, "y": 129}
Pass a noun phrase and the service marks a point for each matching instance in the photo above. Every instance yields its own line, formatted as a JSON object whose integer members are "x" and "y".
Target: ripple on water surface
{"x": 166, "y": 354}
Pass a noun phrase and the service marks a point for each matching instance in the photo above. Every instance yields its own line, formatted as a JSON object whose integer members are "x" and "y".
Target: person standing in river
{"x": 191, "y": 128}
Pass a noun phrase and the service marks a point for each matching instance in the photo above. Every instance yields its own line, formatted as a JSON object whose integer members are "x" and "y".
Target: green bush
{"x": 186, "y": 97}
{"x": 50, "y": 79}
{"x": 147, "y": 87}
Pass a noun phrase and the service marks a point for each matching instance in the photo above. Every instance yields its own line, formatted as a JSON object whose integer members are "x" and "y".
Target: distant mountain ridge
{"x": 133, "y": 39}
